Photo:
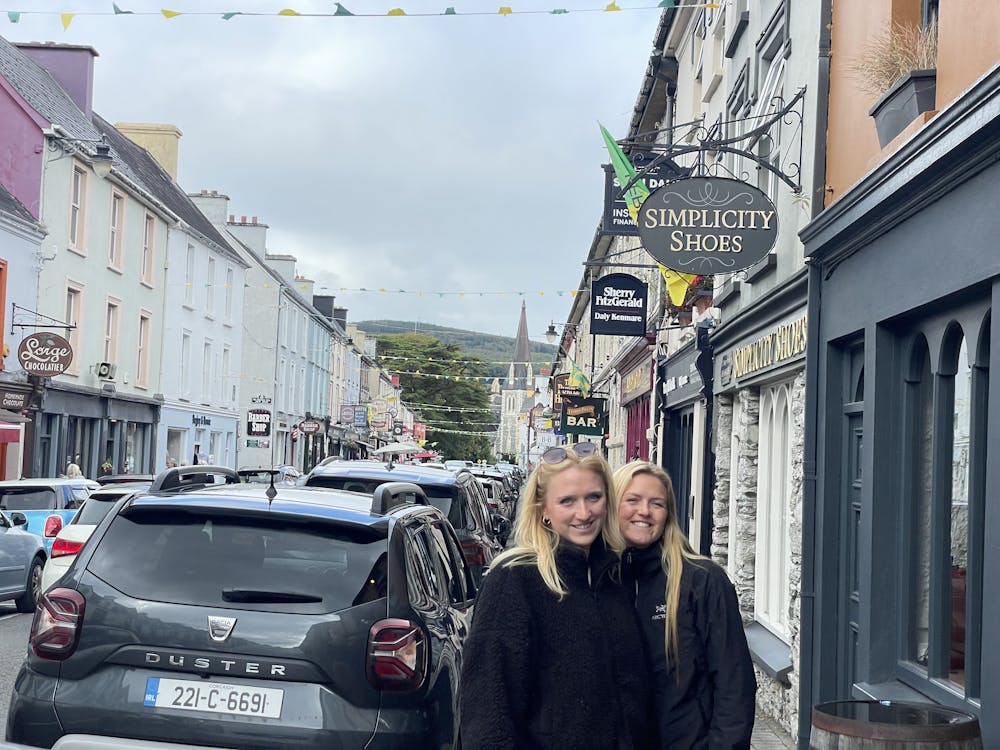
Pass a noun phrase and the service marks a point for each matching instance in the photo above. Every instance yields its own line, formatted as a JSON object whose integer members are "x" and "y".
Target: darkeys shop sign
{"x": 708, "y": 225}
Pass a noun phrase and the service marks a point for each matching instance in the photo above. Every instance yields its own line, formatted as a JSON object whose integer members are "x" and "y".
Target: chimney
{"x": 253, "y": 235}
{"x": 160, "y": 140}
{"x": 71, "y": 65}
{"x": 213, "y": 204}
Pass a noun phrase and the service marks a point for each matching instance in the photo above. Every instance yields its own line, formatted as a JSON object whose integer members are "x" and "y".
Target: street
{"x": 14, "y": 628}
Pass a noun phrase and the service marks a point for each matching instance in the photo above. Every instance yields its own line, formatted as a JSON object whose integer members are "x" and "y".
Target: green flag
{"x": 625, "y": 173}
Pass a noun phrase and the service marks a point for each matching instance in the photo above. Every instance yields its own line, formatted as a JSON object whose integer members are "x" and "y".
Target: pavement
{"x": 768, "y": 735}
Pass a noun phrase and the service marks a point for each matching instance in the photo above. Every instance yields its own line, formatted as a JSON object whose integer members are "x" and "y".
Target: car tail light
{"x": 55, "y": 631}
{"x": 53, "y": 525}
{"x": 62, "y": 547}
{"x": 494, "y": 505}
{"x": 474, "y": 553}
{"x": 397, "y": 655}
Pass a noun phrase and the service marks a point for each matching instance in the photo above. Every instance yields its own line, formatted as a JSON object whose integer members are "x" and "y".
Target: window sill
{"x": 210, "y": 316}
{"x": 894, "y": 690}
{"x": 187, "y": 306}
{"x": 769, "y": 652}
{"x": 762, "y": 268}
{"x": 82, "y": 252}
{"x": 114, "y": 269}
{"x": 145, "y": 283}
{"x": 728, "y": 291}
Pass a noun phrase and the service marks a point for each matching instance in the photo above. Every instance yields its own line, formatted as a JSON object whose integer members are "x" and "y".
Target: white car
{"x": 74, "y": 534}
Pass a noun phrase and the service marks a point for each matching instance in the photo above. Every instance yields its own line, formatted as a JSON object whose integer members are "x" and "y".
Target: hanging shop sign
{"x": 258, "y": 423}
{"x": 44, "y": 354}
{"x": 361, "y": 415}
{"x": 309, "y": 426}
{"x": 561, "y": 390}
{"x": 346, "y": 414}
{"x": 782, "y": 344}
{"x": 419, "y": 431}
{"x": 708, "y": 225}
{"x": 618, "y": 305}
{"x": 616, "y": 219}
{"x": 584, "y": 416}
{"x": 13, "y": 400}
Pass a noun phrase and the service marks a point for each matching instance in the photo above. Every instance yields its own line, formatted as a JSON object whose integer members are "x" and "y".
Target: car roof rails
{"x": 182, "y": 478}
{"x": 244, "y": 474}
{"x": 389, "y": 495}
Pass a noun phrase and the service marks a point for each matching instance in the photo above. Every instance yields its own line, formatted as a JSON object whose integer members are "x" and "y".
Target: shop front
{"x": 636, "y": 390}
{"x": 194, "y": 435}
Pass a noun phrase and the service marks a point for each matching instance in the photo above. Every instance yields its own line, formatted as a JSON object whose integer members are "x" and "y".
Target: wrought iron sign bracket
{"x": 40, "y": 319}
{"x": 754, "y": 145}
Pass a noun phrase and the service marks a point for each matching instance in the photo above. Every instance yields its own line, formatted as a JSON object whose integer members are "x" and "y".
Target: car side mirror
{"x": 18, "y": 519}
{"x": 502, "y": 527}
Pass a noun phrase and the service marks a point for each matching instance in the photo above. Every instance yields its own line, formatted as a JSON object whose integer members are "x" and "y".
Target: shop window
{"x": 176, "y": 446}
{"x": 771, "y": 587}
{"x": 943, "y": 508}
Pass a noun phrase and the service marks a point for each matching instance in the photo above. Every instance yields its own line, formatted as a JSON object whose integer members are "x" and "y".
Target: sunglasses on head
{"x": 559, "y": 453}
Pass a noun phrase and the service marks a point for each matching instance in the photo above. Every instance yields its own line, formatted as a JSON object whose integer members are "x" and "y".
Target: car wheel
{"x": 26, "y": 601}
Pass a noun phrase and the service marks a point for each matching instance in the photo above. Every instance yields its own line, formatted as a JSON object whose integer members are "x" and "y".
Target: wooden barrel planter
{"x": 892, "y": 725}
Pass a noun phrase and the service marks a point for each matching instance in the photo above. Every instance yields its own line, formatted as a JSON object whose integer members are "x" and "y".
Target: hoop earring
{"x": 547, "y": 523}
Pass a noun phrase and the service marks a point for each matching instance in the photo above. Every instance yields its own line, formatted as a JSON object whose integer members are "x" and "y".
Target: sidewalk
{"x": 768, "y": 735}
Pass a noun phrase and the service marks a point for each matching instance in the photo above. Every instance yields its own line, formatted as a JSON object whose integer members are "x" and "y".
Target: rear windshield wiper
{"x": 267, "y": 597}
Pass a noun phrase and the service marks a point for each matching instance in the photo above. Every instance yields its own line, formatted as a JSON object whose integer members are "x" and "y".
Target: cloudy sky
{"x": 431, "y": 154}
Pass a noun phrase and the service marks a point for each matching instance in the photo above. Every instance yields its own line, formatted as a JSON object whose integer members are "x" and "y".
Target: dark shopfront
{"x": 94, "y": 429}
{"x": 900, "y": 523}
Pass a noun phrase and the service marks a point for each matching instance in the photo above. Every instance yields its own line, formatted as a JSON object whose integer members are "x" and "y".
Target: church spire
{"x": 520, "y": 375}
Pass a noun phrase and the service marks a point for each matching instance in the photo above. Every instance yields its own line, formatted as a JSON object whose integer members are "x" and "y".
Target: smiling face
{"x": 575, "y": 505}
{"x": 642, "y": 510}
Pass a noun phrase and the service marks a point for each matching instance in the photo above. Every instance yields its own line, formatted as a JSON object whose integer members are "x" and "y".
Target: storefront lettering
{"x": 199, "y": 421}
{"x": 637, "y": 381}
{"x": 786, "y": 341}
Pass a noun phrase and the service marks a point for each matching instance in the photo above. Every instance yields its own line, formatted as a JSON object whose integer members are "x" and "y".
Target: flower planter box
{"x": 910, "y": 96}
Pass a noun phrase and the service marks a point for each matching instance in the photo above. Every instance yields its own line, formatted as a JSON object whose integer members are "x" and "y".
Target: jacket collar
{"x": 644, "y": 561}
{"x": 574, "y": 562}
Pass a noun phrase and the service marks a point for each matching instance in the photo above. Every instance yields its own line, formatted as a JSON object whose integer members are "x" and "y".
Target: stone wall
{"x": 720, "y": 506}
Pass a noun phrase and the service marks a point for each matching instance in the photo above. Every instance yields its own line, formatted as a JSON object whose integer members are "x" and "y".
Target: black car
{"x": 456, "y": 494}
{"x": 251, "y": 616}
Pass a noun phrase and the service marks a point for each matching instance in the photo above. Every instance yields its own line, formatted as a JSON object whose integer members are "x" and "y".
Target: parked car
{"x": 48, "y": 504}
{"x": 238, "y": 616}
{"x": 71, "y": 538}
{"x": 22, "y": 556}
{"x": 456, "y": 494}
{"x": 503, "y": 495}
{"x": 282, "y": 475}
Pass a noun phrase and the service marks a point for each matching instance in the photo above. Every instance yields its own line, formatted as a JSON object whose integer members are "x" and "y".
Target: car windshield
{"x": 202, "y": 559}
{"x": 28, "y": 498}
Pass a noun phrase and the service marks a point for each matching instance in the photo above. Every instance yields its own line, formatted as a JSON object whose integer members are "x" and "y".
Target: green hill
{"x": 491, "y": 349}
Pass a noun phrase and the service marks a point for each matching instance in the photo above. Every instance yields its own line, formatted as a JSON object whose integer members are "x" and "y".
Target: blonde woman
{"x": 555, "y": 658}
{"x": 703, "y": 675}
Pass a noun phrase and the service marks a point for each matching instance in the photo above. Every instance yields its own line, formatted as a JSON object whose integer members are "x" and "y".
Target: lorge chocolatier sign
{"x": 708, "y": 225}
{"x": 44, "y": 354}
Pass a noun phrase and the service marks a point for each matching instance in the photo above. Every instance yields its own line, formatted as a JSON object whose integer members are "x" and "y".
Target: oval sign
{"x": 708, "y": 225}
{"x": 309, "y": 426}
{"x": 44, "y": 354}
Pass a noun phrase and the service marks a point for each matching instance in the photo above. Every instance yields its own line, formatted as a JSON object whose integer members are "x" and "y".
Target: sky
{"x": 431, "y": 154}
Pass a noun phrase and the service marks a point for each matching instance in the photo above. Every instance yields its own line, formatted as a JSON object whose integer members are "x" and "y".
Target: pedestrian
{"x": 554, "y": 658}
{"x": 703, "y": 674}
{"x": 73, "y": 472}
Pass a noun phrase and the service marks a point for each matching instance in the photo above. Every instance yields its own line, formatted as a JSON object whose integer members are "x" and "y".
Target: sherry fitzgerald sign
{"x": 618, "y": 306}
{"x": 708, "y": 225}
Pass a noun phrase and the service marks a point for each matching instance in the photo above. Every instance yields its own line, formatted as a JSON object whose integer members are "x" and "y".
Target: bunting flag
{"x": 677, "y": 283}
{"x": 577, "y": 378}
{"x": 342, "y": 12}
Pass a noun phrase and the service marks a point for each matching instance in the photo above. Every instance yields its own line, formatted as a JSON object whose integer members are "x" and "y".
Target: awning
{"x": 12, "y": 417}
{"x": 10, "y": 433}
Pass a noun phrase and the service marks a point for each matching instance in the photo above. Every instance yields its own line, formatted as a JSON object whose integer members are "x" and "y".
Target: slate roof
{"x": 12, "y": 206}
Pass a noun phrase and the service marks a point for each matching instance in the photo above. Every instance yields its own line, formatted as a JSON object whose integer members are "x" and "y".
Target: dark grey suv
{"x": 247, "y": 616}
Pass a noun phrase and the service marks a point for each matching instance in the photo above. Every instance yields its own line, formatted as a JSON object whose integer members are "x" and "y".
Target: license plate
{"x": 214, "y": 697}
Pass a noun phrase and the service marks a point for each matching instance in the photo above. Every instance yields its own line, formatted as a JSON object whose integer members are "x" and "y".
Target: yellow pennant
{"x": 67, "y": 19}
{"x": 170, "y": 13}
{"x": 505, "y": 10}
{"x": 396, "y": 12}
{"x": 677, "y": 285}
{"x": 612, "y": 6}
{"x": 288, "y": 12}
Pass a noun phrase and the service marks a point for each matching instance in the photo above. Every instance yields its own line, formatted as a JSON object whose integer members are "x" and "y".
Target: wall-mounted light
{"x": 102, "y": 161}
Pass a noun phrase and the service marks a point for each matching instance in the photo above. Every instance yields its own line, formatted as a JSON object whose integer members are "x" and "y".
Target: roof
{"x": 334, "y": 505}
{"x": 418, "y": 474}
{"x": 11, "y": 205}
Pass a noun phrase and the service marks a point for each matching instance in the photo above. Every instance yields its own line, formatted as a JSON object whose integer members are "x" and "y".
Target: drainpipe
{"x": 808, "y": 682}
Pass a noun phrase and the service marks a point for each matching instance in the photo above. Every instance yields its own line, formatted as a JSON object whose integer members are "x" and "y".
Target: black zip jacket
{"x": 707, "y": 702}
{"x": 540, "y": 672}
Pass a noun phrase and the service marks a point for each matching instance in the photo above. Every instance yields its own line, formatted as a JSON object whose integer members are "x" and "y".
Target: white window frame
{"x": 774, "y": 489}
{"x": 185, "y": 384}
{"x": 226, "y": 397}
{"x": 112, "y": 329}
{"x": 207, "y": 378}
{"x": 142, "y": 353}
{"x": 77, "y": 239}
{"x": 229, "y": 293}
{"x": 189, "y": 277}
{"x": 210, "y": 289}
{"x": 148, "y": 249}
{"x": 74, "y": 316}
{"x": 117, "y": 231}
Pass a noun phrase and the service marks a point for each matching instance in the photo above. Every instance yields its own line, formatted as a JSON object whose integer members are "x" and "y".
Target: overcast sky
{"x": 445, "y": 153}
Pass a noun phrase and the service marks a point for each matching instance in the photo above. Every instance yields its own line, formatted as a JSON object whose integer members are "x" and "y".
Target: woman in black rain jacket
{"x": 703, "y": 674}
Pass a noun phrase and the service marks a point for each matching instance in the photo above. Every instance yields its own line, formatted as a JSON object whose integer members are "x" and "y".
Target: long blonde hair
{"x": 674, "y": 546}
{"x": 534, "y": 542}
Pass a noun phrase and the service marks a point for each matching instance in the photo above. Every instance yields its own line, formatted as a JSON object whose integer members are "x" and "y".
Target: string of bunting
{"x": 14, "y": 16}
{"x": 455, "y": 361}
{"x": 459, "y": 432}
{"x": 445, "y": 293}
{"x": 410, "y": 406}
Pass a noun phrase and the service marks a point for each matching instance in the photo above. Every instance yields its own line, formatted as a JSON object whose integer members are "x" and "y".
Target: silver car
{"x": 22, "y": 556}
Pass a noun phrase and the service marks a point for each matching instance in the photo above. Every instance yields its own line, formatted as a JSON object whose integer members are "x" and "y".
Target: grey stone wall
{"x": 720, "y": 506}
{"x": 745, "y": 476}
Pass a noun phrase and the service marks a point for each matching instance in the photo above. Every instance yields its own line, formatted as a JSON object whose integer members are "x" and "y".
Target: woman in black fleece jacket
{"x": 555, "y": 657}
{"x": 705, "y": 684}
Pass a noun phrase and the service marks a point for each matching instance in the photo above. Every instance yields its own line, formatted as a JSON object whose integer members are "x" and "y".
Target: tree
{"x": 435, "y": 376}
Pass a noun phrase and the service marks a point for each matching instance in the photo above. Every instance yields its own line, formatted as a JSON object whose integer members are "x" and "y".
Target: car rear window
{"x": 28, "y": 498}
{"x": 195, "y": 558}
{"x": 96, "y": 507}
{"x": 441, "y": 497}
